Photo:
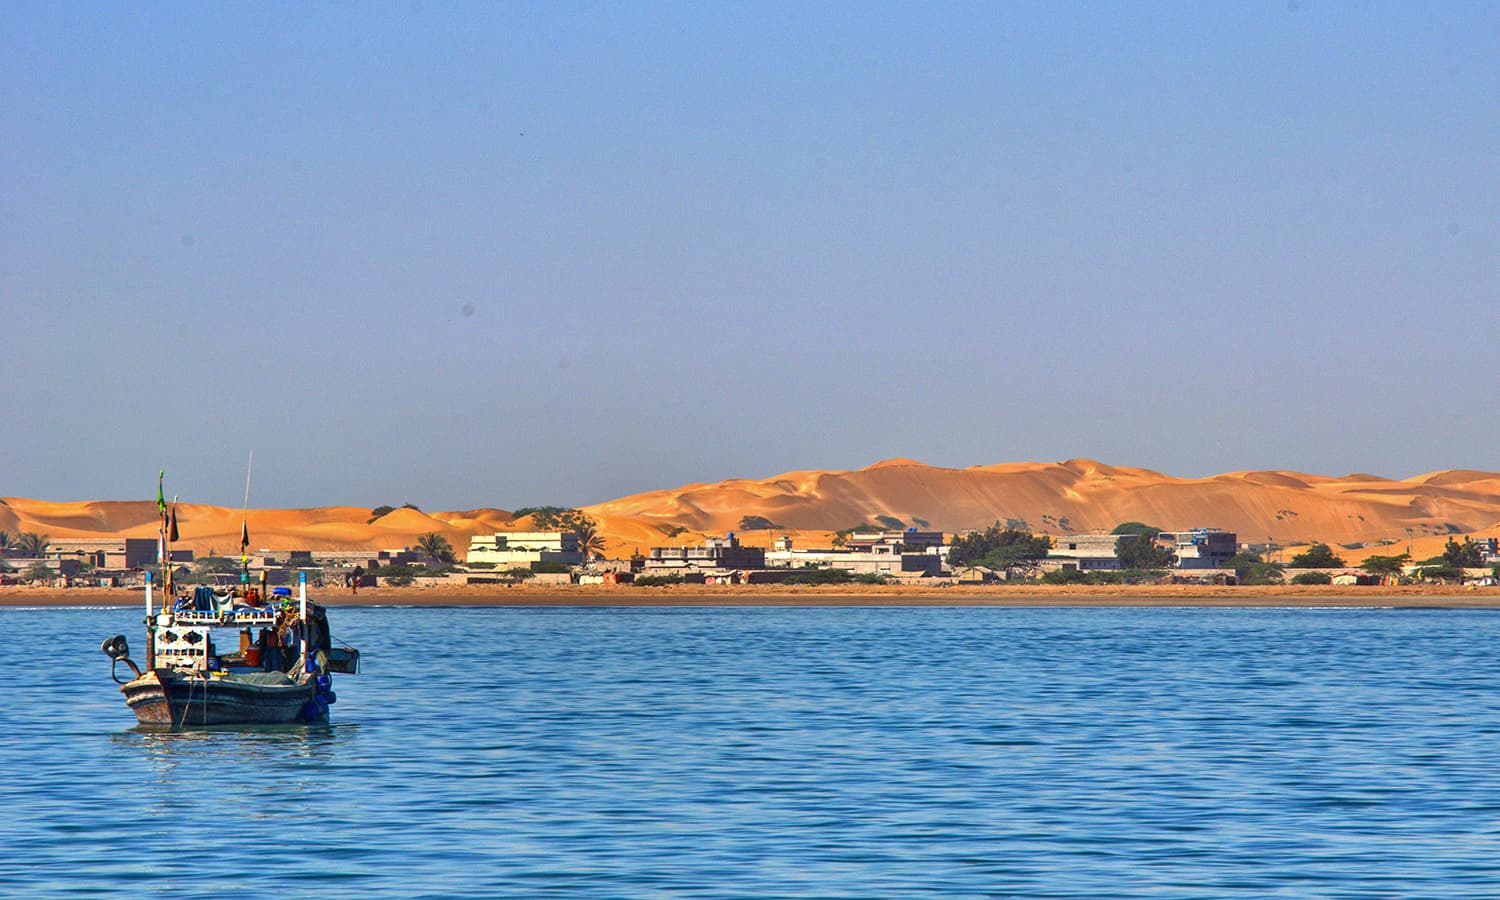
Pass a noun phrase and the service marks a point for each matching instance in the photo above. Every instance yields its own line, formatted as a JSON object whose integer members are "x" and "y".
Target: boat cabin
{"x": 241, "y": 631}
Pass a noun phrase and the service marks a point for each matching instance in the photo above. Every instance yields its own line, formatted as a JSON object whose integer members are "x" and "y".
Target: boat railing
{"x": 241, "y": 617}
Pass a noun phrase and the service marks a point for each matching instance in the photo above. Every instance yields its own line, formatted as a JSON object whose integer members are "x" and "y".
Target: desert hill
{"x": 217, "y": 528}
{"x": 1073, "y": 495}
{"x": 1084, "y": 495}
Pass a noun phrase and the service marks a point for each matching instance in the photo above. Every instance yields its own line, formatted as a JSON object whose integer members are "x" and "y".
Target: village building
{"x": 726, "y": 553}
{"x": 910, "y": 540}
{"x": 1199, "y": 548}
{"x": 883, "y": 553}
{"x": 1084, "y": 552}
{"x": 1202, "y": 548}
{"x": 516, "y": 549}
{"x": 1489, "y": 549}
{"x": 113, "y": 553}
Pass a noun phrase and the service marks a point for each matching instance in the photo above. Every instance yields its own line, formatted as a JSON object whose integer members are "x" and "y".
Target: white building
{"x": 876, "y": 558}
{"x": 1489, "y": 549}
{"x": 1084, "y": 552}
{"x": 716, "y": 553}
{"x": 513, "y": 549}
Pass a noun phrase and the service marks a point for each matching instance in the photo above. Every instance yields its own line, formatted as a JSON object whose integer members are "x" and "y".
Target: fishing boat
{"x": 279, "y": 672}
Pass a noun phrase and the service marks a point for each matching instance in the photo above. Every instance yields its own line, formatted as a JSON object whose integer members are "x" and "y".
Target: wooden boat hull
{"x": 178, "y": 700}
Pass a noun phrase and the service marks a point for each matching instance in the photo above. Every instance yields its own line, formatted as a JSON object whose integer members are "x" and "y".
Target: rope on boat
{"x": 186, "y": 706}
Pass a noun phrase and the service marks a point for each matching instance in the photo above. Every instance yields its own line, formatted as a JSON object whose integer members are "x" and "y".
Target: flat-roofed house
{"x": 1084, "y": 552}
{"x": 512, "y": 549}
{"x": 1202, "y": 548}
{"x": 112, "y": 553}
{"x": 716, "y": 553}
{"x": 872, "y": 557}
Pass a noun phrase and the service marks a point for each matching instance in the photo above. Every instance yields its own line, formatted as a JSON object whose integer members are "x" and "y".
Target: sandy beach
{"x": 1425, "y": 596}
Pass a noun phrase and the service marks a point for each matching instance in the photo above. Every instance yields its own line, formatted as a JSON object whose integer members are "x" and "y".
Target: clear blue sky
{"x": 509, "y": 254}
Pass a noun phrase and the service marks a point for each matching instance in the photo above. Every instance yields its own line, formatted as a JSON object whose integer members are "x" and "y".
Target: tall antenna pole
{"x": 245, "y": 523}
{"x": 248, "y": 466}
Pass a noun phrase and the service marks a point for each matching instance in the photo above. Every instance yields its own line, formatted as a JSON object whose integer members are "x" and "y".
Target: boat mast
{"x": 307, "y": 650}
{"x": 171, "y": 538}
{"x": 150, "y": 629}
{"x": 245, "y": 528}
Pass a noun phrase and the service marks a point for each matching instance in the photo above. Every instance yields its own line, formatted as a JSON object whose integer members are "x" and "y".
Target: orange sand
{"x": 1074, "y": 495}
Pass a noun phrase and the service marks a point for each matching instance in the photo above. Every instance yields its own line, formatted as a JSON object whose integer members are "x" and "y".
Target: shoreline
{"x": 599, "y": 596}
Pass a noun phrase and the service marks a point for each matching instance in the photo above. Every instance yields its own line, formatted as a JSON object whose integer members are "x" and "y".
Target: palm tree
{"x": 6, "y": 538}
{"x": 31, "y": 544}
{"x": 590, "y": 541}
{"x": 435, "y": 546}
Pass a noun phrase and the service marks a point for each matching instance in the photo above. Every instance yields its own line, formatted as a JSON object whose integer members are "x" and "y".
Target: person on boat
{"x": 270, "y": 650}
{"x": 287, "y": 635}
{"x": 318, "y": 636}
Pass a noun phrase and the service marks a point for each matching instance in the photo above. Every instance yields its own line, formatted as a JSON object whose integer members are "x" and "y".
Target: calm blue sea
{"x": 783, "y": 753}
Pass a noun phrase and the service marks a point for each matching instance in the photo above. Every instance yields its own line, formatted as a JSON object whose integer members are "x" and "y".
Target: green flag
{"x": 161, "y": 500}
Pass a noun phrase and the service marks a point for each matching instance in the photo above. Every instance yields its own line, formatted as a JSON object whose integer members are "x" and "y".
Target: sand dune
{"x": 1086, "y": 495}
{"x": 207, "y": 529}
{"x": 1072, "y": 495}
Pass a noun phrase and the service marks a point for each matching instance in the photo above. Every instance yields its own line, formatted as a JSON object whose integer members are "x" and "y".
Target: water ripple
{"x": 785, "y": 753}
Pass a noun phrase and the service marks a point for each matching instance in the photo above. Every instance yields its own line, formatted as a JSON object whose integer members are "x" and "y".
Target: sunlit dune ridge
{"x": 1075, "y": 495}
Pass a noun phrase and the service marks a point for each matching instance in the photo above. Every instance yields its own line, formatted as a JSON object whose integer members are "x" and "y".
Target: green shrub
{"x": 657, "y": 580}
{"x": 998, "y": 548}
{"x": 820, "y": 577}
{"x": 1140, "y": 528}
{"x": 1066, "y": 576}
{"x": 1315, "y": 557}
{"x": 1312, "y": 578}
